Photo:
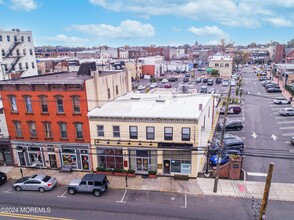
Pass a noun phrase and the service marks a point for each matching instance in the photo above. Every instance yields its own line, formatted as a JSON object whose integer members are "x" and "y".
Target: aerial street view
{"x": 140, "y": 110}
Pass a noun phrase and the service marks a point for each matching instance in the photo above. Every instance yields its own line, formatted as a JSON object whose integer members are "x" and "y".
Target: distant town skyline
{"x": 117, "y": 23}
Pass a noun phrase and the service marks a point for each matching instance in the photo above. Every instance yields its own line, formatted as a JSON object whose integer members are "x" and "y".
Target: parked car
{"x": 141, "y": 87}
{"x": 266, "y": 82}
{"x": 210, "y": 82}
{"x": 164, "y": 81}
{"x": 287, "y": 111}
{"x": 231, "y": 125}
{"x": 153, "y": 85}
{"x": 203, "y": 89}
{"x": 38, "y": 182}
{"x": 167, "y": 85}
{"x": 281, "y": 100}
{"x": 198, "y": 80}
{"x": 263, "y": 78}
{"x": 226, "y": 136}
{"x": 218, "y": 80}
{"x": 173, "y": 79}
{"x": 292, "y": 140}
{"x": 187, "y": 75}
{"x": 225, "y": 82}
{"x": 234, "y": 144}
{"x": 186, "y": 79}
{"x": 3, "y": 178}
{"x": 273, "y": 89}
{"x": 233, "y": 82}
{"x": 232, "y": 109}
{"x": 225, "y": 158}
{"x": 271, "y": 85}
{"x": 235, "y": 76}
{"x": 204, "y": 80}
{"x": 90, "y": 183}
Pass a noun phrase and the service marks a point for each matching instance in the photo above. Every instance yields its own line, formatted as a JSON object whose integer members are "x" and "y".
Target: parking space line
{"x": 281, "y": 117}
{"x": 8, "y": 191}
{"x": 288, "y": 134}
{"x": 62, "y": 196}
{"x": 122, "y": 199}
{"x": 185, "y": 202}
{"x": 288, "y": 142}
{"x": 284, "y": 128}
{"x": 285, "y": 122}
{"x": 276, "y": 109}
{"x": 275, "y": 113}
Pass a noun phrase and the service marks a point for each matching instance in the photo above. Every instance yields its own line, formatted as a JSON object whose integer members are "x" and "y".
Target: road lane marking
{"x": 285, "y": 122}
{"x": 8, "y": 191}
{"x": 62, "y": 196}
{"x": 287, "y": 142}
{"x": 185, "y": 202}
{"x": 281, "y": 117}
{"x": 288, "y": 134}
{"x": 256, "y": 174}
{"x": 275, "y": 113}
{"x": 122, "y": 199}
{"x": 276, "y": 109}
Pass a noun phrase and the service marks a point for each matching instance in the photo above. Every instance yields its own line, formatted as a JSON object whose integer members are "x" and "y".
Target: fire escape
{"x": 16, "y": 57}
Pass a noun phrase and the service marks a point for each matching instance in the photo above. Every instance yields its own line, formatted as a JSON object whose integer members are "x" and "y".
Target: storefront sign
{"x": 185, "y": 168}
{"x": 159, "y": 166}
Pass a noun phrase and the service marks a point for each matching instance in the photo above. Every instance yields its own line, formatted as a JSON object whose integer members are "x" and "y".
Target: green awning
{"x": 209, "y": 69}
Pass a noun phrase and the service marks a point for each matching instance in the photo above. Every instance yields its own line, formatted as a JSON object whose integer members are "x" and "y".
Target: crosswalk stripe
{"x": 285, "y": 128}
{"x": 287, "y": 142}
{"x": 276, "y": 113}
{"x": 276, "y": 108}
{"x": 288, "y": 134}
{"x": 285, "y": 122}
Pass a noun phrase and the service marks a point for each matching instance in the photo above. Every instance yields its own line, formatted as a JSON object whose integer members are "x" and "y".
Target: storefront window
{"x": 180, "y": 160}
{"x": 110, "y": 158}
{"x": 35, "y": 157}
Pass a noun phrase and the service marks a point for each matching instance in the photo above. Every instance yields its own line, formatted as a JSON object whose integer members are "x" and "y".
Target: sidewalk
{"x": 199, "y": 186}
{"x": 285, "y": 93}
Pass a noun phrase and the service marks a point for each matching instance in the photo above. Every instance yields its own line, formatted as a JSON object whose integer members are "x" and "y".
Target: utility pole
{"x": 219, "y": 155}
{"x": 266, "y": 191}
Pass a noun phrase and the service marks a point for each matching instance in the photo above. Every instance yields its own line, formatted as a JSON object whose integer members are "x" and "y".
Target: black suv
{"x": 231, "y": 125}
{"x": 218, "y": 80}
{"x": 90, "y": 183}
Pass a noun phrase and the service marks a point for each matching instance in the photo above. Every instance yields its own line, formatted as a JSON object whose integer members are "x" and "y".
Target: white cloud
{"x": 126, "y": 30}
{"x": 208, "y": 31}
{"x": 279, "y": 22}
{"x": 23, "y": 5}
{"x": 237, "y": 13}
{"x": 1, "y": 2}
{"x": 65, "y": 40}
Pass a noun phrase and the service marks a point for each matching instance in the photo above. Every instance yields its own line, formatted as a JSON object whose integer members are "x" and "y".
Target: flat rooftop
{"x": 172, "y": 106}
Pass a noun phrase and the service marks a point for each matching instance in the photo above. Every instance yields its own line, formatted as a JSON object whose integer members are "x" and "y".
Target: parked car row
{"x": 90, "y": 183}
{"x": 270, "y": 86}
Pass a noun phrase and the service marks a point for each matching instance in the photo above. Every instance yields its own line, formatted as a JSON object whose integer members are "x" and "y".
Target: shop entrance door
{"x": 85, "y": 161}
{"x": 142, "y": 164}
{"x": 52, "y": 161}
{"x": 21, "y": 157}
{"x": 166, "y": 166}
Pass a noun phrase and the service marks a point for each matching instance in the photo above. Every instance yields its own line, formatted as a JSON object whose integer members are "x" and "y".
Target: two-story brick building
{"x": 47, "y": 119}
{"x": 158, "y": 132}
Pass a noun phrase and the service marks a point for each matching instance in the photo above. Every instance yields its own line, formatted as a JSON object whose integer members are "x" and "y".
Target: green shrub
{"x": 100, "y": 169}
{"x": 131, "y": 171}
{"x": 109, "y": 170}
{"x": 119, "y": 170}
{"x": 152, "y": 172}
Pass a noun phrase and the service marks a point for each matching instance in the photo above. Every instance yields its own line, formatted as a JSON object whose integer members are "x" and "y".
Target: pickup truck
{"x": 90, "y": 183}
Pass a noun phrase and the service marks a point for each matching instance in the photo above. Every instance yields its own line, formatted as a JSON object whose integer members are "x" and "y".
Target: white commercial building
{"x": 17, "y": 57}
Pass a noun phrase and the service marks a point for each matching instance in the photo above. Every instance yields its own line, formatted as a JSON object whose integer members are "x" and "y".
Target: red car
{"x": 167, "y": 86}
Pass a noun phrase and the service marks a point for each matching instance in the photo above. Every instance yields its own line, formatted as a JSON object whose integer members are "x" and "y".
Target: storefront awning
{"x": 209, "y": 69}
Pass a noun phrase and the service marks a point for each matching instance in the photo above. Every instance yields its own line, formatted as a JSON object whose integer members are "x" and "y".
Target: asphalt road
{"x": 130, "y": 204}
{"x": 266, "y": 134}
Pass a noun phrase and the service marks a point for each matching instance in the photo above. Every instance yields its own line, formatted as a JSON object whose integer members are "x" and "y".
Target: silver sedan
{"x": 38, "y": 182}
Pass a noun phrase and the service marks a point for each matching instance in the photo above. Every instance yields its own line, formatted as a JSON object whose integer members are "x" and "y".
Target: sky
{"x": 115, "y": 23}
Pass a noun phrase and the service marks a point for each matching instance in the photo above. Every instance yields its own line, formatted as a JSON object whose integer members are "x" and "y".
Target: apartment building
{"x": 222, "y": 63}
{"x": 158, "y": 132}
{"x": 17, "y": 57}
{"x": 47, "y": 119}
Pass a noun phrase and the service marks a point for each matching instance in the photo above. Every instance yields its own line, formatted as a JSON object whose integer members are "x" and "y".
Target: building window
{"x": 20, "y": 66}
{"x": 17, "y": 52}
{"x": 216, "y": 64}
{"x": 22, "y": 38}
{"x": 31, "y": 52}
{"x": 33, "y": 129}
{"x": 180, "y": 160}
{"x": 33, "y": 65}
{"x": 59, "y": 103}
{"x": 116, "y": 89}
{"x": 133, "y": 132}
{"x": 100, "y": 130}
{"x": 63, "y": 130}
{"x": 150, "y": 133}
{"x": 168, "y": 133}
{"x": 79, "y": 130}
{"x": 116, "y": 131}
{"x": 227, "y": 64}
{"x": 110, "y": 158}
{"x": 15, "y": 38}
{"x": 44, "y": 104}
{"x": 29, "y": 39}
{"x": 47, "y": 129}
{"x": 17, "y": 127}
{"x": 8, "y": 38}
{"x": 13, "y": 103}
{"x": 186, "y": 132}
{"x": 27, "y": 66}
{"x": 28, "y": 102}
{"x": 24, "y": 52}
{"x": 5, "y": 67}
{"x": 76, "y": 104}
{"x": 3, "y": 53}
{"x": 108, "y": 93}
{"x": 0, "y": 37}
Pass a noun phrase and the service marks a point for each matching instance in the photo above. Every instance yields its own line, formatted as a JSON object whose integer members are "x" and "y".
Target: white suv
{"x": 287, "y": 111}
{"x": 281, "y": 100}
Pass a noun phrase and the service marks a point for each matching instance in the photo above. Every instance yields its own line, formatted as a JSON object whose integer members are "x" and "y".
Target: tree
{"x": 252, "y": 45}
{"x": 225, "y": 45}
{"x": 290, "y": 44}
{"x": 241, "y": 57}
